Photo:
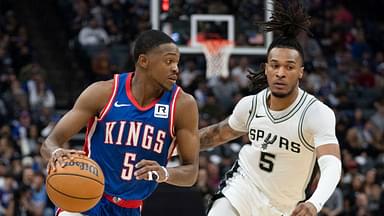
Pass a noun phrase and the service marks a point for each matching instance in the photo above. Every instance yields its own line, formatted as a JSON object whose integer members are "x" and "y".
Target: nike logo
{"x": 259, "y": 116}
{"x": 116, "y": 104}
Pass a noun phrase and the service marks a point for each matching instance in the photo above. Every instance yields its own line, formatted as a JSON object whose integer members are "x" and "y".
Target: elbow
{"x": 190, "y": 182}
{"x": 192, "y": 177}
{"x": 193, "y": 180}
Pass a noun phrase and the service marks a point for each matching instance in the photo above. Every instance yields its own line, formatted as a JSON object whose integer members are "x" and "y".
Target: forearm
{"x": 337, "y": 211}
{"x": 330, "y": 172}
{"x": 217, "y": 134}
{"x": 11, "y": 208}
{"x": 184, "y": 175}
{"x": 68, "y": 126}
{"x": 48, "y": 147}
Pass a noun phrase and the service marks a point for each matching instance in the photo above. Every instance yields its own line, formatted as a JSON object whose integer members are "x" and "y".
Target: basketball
{"x": 77, "y": 186}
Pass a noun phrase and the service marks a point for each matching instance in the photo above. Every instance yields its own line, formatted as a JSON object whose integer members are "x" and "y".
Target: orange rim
{"x": 215, "y": 45}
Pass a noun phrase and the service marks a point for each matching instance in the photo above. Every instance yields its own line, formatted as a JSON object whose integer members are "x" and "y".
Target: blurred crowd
{"x": 344, "y": 64}
{"x": 27, "y": 105}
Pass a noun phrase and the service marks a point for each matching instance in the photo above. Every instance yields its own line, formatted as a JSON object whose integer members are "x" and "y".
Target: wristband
{"x": 56, "y": 150}
{"x": 166, "y": 175}
{"x": 153, "y": 176}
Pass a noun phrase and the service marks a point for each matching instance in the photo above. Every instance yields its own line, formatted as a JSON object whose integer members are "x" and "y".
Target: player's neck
{"x": 143, "y": 90}
{"x": 281, "y": 103}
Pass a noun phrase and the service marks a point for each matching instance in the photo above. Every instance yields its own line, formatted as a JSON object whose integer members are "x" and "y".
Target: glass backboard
{"x": 189, "y": 21}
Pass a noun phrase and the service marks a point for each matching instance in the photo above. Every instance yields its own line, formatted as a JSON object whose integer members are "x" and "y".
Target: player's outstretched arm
{"x": 321, "y": 122}
{"x": 330, "y": 171}
{"x": 187, "y": 138}
{"x": 89, "y": 103}
{"x": 230, "y": 128}
{"x": 217, "y": 134}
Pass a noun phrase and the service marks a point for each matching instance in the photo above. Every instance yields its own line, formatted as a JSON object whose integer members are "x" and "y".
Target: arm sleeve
{"x": 321, "y": 122}
{"x": 330, "y": 172}
{"x": 238, "y": 119}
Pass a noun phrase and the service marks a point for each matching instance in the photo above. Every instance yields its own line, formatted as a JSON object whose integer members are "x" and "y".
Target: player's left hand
{"x": 149, "y": 170}
{"x": 304, "y": 209}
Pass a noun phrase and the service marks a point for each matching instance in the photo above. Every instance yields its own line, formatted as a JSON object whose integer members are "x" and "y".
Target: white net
{"x": 217, "y": 54}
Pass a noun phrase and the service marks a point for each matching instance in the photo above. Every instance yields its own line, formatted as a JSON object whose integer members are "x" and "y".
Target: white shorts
{"x": 247, "y": 199}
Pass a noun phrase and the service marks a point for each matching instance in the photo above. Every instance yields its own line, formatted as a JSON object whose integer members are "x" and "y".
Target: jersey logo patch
{"x": 116, "y": 104}
{"x": 161, "y": 111}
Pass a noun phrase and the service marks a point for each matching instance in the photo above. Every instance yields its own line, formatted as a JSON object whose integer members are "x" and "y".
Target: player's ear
{"x": 143, "y": 60}
{"x": 301, "y": 72}
{"x": 265, "y": 68}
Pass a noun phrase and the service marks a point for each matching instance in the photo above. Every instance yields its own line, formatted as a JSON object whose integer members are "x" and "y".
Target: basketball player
{"x": 289, "y": 131}
{"x": 132, "y": 122}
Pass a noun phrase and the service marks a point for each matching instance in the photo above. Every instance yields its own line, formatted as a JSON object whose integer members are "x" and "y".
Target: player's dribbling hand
{"x": 58, "y": 157}
{"x": 304, "y": 209}
{"x": 146, "y": 167}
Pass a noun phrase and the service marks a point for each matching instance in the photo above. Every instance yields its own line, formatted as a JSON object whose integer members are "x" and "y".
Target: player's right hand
{"x": 59, "y": 156}
{"x": 304, "y": 209}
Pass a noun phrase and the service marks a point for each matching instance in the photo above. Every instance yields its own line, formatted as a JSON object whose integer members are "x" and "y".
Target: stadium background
{"x": 44, "y": 65}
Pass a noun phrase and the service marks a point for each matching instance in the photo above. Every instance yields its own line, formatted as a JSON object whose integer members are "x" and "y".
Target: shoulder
{"x": 314, "y": 108}
{"x": 101, "y": 88}
{"x": 185, "y": 100}
{"x": 96, "y": 95}
{"x": 319, "y": 116}
{"x": 186, "y": 111}
{"x": 247, "y": 100}
{"x": 318, "y": 109}
{"x": 103, "y": 84}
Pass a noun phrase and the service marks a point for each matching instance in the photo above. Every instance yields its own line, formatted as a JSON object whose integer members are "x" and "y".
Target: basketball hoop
{"x": 217, "y": 52}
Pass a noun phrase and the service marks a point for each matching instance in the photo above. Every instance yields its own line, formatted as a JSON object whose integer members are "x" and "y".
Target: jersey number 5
{"x": 127, "y": 171}
{"x": 266, "y": 162}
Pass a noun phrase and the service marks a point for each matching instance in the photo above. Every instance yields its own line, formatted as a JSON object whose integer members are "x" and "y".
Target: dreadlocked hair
{"x": 258, "y": 79}
{"x": 287, "y": 21}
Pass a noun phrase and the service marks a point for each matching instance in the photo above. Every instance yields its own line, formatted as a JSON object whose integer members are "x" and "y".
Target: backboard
{"x": 190, "y": 21}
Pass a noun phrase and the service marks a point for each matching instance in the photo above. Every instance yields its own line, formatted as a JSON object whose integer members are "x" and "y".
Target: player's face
{"x": 284, "y": 69}
{"x": 163, "y": 65}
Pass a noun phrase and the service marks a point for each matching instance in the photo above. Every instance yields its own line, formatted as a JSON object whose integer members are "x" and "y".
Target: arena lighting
{"x": 165, "y": 5}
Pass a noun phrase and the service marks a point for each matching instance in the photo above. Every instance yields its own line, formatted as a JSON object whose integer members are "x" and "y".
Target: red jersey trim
{"x": 173, "y": 108}
{"x": 88, "y": 135}
{"x": 109, "y": 104}
{"x": 58, "y": 211}
{"x": 172, "y": 149}
{"x": 133, "y": 100}
{"x": 124, "y": 203}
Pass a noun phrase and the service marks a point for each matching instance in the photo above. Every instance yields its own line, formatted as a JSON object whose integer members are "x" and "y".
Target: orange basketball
{"x": 77, "y": 186}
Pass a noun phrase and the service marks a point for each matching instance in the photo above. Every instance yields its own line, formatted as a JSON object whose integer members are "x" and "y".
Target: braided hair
{"x": 287, "y": 21}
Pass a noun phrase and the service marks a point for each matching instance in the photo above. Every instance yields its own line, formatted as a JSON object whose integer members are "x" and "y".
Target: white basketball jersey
{"x": 281, "y": 156}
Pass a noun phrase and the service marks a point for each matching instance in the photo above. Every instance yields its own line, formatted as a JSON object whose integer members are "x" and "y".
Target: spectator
{"x": 239, "y": 73}
{"x": 378, "y": 117}
{"x": 224, "y": 89}
{"x": 39, "y": 195}
{"x": 40, "y": 95}
{"x": 6, "y": 195}
{"x": 93, "y": 34}
{"x": 203, "y": 186}
{"x": 334, "y": 205}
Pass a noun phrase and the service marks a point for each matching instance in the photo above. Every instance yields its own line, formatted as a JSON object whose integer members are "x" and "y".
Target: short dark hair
{"x": 149, "y": 40}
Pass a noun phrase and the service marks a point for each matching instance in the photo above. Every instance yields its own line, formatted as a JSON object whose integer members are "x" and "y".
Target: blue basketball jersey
{"x": 125, "y": 133}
